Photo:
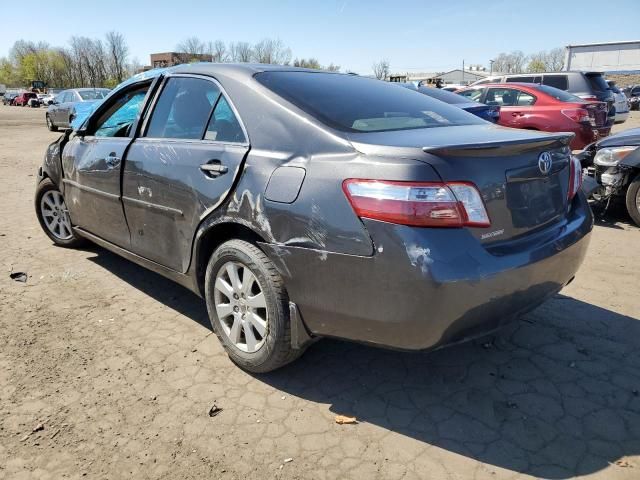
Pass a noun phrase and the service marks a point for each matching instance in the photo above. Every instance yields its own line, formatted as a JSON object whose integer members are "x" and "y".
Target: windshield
{"x": 358, "y": 104}
{"x": 558, "y": 94}
{"x": 97, "y": 94}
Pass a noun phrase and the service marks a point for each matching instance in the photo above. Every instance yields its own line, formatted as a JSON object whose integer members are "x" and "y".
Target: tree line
{"x": 105, "y": 62}
{"x": 517, "y": 62}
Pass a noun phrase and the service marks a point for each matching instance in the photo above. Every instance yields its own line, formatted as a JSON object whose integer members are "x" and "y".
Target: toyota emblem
{"x": 544, "y": 162}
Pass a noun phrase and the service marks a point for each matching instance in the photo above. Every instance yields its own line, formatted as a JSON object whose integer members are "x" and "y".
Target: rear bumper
{"x": 427, "y": 287}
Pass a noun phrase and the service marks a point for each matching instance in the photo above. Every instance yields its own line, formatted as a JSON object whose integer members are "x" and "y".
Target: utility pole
{"x": 491, "y": 67}
{"x": 463, "y": 71}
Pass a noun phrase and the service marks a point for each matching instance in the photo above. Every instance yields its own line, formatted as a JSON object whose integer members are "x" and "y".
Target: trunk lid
{"x": 503, "y": 163}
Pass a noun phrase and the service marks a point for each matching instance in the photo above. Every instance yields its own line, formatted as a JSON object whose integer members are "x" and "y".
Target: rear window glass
{"x": 443, "y": 95}
{"x": 558, "y": 94}
{"x": 98, "y": 94}
{"x": 556, "y": 81}
{"x": 597, "y": 82}
{"x": 358, "y": 104}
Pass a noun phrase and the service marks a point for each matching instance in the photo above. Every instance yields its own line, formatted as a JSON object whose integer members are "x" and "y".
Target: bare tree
{"x": 307, "y": 63}
{"x": 191, "y": 49}
{"x": 381, "y": 69}
{"x": 241, "y": 52}
{"x": 332, "y": 68}
{"x": 555, "y": 59}
{"x": 220, "y": 53}
{"x": 272, "y": 51}
{"x": 118, "y": 53}
{"x": 513, "y": 62}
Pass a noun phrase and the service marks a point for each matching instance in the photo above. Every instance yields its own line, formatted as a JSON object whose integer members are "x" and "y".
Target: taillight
{"x": 579, "y": 115}
{"x": 422, "y": 204}
{"x": 575, "y": 177}
{"x": 589, "y": 98}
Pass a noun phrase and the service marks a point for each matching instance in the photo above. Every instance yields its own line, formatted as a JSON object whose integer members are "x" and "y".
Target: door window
{"x": 224, "y": 126}
{"x": 474, "y": 94}
{"x": 117, "y": 120}
{"x": 557, "y": 81}
{"x": 183, "y": 109}
{"x": 509, "y": 97}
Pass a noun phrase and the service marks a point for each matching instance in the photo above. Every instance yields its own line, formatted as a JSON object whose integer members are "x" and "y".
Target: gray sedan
{"x": 301, "y": 204}
{"x": 69, "y": 103}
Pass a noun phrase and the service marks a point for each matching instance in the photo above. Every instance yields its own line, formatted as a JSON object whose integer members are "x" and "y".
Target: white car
{"x": 45, "y": 98}
{"x": 621, "y": 104}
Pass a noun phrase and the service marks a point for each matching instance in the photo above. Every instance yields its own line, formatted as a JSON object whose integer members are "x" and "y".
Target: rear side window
{"x": 558, "y": 94}
{"x": 97, "y": 94}
{"x": 524, "y": 79}
{"x": 556, "y": 81}
{"x": 183, "y": 109}
{"x": 223, "y": 125}
{"x": 597, "y": 82}
{"x": 357, "y": 104}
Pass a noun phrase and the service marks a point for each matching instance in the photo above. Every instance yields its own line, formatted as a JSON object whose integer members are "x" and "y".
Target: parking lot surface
{"x": 110, "y": 371}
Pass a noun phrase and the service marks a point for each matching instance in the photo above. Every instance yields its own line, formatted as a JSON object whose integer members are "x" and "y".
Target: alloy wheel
{"x": 56, "y": 215}
{"x": 241, "y": 306}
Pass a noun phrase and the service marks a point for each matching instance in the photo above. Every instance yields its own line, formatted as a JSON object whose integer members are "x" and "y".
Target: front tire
{"x": 249, "y": 307}
{"x": 53, "y": 215}
{"x": 633, "y": 200}
{"x": 50, "y": 125}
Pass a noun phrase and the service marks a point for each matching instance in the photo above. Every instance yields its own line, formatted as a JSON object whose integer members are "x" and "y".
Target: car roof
{"x": 509, "y": 84}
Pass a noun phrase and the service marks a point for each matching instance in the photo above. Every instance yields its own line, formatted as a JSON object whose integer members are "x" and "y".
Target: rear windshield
{"x": 358, "y": 104}
{"x": 444, "y": 95}
{"x": 558, "y": 94}
{"x": 98, "y": 94}
{"x": 597, "y": 82}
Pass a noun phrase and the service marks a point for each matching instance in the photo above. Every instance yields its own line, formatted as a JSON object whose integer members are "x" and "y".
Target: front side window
{"x": 183, "y": 109}
{"x": 117, "y": 120}
{"x": 356, "y": 104}
{"x": 509, "y": 97}
{"x": 473, "y": 95}
{"x": 97, "y": 94}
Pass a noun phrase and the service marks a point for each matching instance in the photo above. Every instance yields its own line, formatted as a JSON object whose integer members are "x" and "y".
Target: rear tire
{"x": 53, "y": 215}
{"x": 633, "y": 200}
{"x": 50, "y": 125}
{"x": 238, "y": 273}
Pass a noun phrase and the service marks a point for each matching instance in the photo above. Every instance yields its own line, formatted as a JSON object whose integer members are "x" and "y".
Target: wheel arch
{"x": 211, "y": 237}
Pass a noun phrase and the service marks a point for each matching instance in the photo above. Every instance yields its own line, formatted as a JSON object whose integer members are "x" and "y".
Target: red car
{"x": 539, "y": 107}
{"x": 22, "y": 100}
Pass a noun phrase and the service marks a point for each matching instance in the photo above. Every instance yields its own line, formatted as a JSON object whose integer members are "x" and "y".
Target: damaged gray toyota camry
{"x": 303, "y": 204}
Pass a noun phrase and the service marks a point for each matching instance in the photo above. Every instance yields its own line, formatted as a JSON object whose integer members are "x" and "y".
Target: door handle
{"x": 214, "y": 168}
{"x": 112, "y": 160}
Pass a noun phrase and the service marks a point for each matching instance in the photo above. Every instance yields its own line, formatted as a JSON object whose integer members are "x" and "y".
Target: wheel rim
{"x": 56, "y": 215}
{"x": 241, "y": 307}
{"x": 638, "y": 200}
{"x": 48, "y": 121}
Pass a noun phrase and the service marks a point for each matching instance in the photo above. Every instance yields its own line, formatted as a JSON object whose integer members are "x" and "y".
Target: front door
{"x": 181, "y": 168}
{"x": 92, "y": 165}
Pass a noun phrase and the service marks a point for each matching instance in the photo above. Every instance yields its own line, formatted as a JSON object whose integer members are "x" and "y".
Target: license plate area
{"x": 534, "y": 201}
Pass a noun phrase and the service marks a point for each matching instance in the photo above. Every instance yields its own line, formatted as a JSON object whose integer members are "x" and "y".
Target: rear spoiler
{"x": 505, "y": 147}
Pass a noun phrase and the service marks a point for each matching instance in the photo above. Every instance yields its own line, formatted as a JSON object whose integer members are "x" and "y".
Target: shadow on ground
{"x": 554, "y": 395}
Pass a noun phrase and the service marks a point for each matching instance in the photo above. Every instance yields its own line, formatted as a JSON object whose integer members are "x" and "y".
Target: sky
{"x": 423, "y": 35}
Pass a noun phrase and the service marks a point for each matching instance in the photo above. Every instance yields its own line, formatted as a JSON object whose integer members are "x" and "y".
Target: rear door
{"x": 181, "y": 168}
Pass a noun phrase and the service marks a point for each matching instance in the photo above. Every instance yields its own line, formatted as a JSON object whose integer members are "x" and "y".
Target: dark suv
{"x": 586, "y": 85}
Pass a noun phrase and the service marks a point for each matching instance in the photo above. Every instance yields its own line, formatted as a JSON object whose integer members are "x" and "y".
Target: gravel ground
{"x": 109, "y": 371}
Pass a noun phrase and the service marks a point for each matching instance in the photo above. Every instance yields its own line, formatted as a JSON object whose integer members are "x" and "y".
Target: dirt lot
{"x": 119, "y": 367}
